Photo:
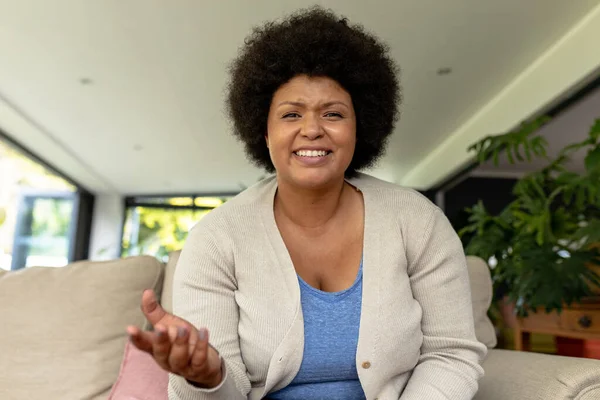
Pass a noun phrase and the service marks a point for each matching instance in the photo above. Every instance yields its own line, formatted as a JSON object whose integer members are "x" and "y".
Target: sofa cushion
{"x": 64, "y": 328}
{"x": 525, "y": 375}
{"x": 166, "y": 298}
{"x": 481, "y": 296}
{"x": 140, "y": 377}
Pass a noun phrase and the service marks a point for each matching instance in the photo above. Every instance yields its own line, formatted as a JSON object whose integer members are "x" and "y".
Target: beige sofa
{"x": 63, "y": 334}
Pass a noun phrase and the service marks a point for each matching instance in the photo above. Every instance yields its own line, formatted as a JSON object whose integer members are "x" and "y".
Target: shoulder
{"x": 390, "y": 197}
{"x": 402, "y": 213}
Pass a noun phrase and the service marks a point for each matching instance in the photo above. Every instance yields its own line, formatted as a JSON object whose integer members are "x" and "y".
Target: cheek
{"x": 349, "y": 138}
{"x": 350, "y": 145}
{"x": 352, "y": 149}
{"x": 276, "y": 144}
{"x": 278, "y": 136}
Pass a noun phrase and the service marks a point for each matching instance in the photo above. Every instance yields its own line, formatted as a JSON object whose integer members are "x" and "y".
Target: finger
{"x": 179, "y": 356}
{"x": 192, "y": 341}
{"x": 161, "y": 347}
{"x": 199, "y": 357}
{"x": 172, "y": 334}
{"x": 150, "y": 307}
{"x": 141, "y": 340}
{"x": 172, "y": 331}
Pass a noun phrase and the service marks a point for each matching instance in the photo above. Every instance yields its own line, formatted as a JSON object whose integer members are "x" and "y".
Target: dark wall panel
{"x": 495, "y": 193}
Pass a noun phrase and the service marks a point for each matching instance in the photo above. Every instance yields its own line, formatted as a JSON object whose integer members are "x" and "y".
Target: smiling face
{"x": 311, "y": 131}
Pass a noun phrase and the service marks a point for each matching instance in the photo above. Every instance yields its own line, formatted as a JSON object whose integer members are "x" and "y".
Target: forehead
{"x": 315, "y": 88}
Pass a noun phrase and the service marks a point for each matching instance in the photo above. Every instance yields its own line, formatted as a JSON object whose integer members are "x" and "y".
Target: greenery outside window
{"x": 156, "y": 225}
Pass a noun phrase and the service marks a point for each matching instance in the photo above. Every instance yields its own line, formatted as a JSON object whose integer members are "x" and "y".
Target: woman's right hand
{"x": 177, "y": 346}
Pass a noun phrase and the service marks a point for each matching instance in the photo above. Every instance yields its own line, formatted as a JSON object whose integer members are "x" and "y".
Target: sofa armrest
{"x": 527, "y": 376}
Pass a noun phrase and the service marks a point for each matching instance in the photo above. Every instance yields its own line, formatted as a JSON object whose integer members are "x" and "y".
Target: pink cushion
{"x": 140, "y": 377}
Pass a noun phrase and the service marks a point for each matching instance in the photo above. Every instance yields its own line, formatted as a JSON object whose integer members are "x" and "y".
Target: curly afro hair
{"x": 314, "y": 42}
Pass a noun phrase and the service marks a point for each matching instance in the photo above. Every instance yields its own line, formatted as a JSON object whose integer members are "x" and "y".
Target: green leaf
{"x": 527, "y": 147}
{"x": 595, "y": 131}
{"x": 514, "y": 150}
{"x": 592, "y": 160}
{"x": 542, "y": 241}
{"x": 539, "y": 145}
{"x": 495, "y": 158}
{"x": 510, "y": 143}
{"x": 510, "y": 157}
{"x": 590, "y": 232}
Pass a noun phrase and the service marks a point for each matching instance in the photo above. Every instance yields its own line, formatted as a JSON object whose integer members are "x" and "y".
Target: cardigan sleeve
{"x": 203, "y": 294}
{"x": 450, "y": 363}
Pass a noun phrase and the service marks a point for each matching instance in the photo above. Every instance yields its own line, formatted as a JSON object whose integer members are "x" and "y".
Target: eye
{"x": 333, "y": 115}
{"x": 291, "y": 115}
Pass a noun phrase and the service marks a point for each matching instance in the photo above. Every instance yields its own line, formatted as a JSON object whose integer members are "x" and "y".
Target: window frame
{"x": 83, "y": 202}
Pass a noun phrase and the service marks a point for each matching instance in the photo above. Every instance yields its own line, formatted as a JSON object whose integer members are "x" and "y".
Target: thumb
{"x": 150, "y": 307}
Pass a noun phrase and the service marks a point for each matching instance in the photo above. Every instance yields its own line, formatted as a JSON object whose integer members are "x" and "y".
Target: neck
{"x": 308, "y": 207}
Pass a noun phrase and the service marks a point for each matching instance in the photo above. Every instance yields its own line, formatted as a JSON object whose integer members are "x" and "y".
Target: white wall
{"x": 105, "y": 241}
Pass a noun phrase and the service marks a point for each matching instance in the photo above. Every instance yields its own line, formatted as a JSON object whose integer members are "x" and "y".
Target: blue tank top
{"x": 331, "y": 323}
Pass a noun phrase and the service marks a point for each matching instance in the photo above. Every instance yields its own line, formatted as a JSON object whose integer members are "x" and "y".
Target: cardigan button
{"x": 366, "y": 365}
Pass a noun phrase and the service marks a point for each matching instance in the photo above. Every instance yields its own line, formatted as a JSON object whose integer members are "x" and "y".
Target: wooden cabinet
{"x": 584, "y": 321}
{"x": 580, "y": 321}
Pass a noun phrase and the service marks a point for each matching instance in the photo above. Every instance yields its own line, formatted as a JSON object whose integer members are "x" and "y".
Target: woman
{"x": 319, "y": 282}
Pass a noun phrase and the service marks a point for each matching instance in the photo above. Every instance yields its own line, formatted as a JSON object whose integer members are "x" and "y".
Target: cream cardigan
{"x": 416, "y": 339}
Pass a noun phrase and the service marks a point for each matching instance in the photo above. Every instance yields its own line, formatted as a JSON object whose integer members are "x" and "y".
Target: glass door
{"x": 44, "y": 229}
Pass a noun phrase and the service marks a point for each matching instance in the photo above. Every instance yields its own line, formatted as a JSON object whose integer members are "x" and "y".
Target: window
{"x": 38, "y": 212}
{"x": 157, "y": 225}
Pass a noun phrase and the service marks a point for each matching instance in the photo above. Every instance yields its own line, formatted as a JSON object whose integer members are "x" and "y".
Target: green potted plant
{"x": 542, "y": 248}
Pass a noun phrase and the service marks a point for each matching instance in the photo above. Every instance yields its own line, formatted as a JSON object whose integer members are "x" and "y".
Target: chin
{"x": 314, "y": 178}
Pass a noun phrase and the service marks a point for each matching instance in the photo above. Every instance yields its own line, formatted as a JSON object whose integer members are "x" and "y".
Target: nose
{"x": 311, "y": 128}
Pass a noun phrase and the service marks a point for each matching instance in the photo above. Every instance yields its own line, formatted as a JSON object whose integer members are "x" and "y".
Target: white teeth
{"x": 311, "y": 153}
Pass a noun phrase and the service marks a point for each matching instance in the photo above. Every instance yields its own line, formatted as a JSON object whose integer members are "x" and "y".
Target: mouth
{"x": 312, "y": 158}
{"x": 312, "y": 153}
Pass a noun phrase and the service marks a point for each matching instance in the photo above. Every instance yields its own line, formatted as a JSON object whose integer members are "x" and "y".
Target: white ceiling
{"x": 152, "y": 119}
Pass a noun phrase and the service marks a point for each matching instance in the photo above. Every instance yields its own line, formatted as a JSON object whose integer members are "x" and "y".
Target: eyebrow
{"x": 300, "y": 104}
